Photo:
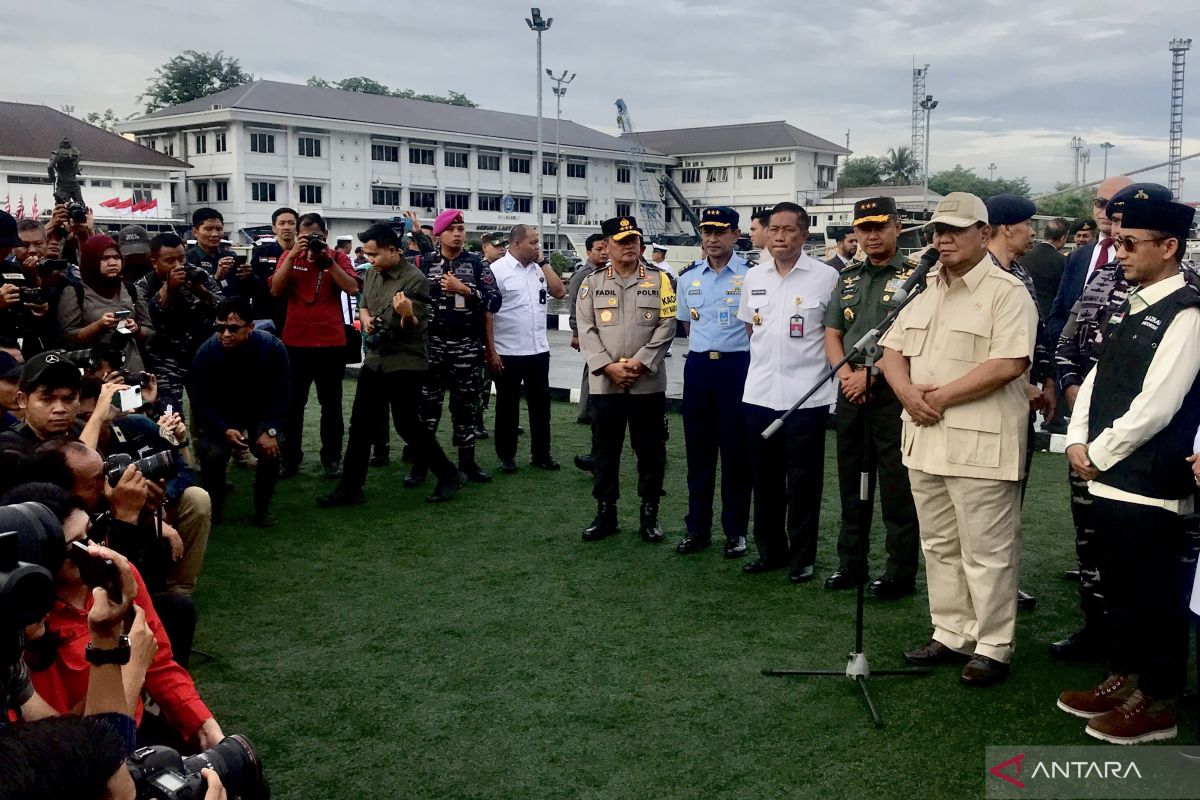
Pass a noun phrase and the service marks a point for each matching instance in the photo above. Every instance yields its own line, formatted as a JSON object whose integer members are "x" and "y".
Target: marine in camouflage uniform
{"x": 456, "y": 347}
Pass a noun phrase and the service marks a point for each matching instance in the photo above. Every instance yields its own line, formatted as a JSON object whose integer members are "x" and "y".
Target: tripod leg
{"x": 862, "y": 683}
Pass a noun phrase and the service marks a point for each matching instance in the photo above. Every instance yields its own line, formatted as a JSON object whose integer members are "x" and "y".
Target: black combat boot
{"x": 467, "y": 465}
{"x": 416, "y": 476}
{"x": 648, "y": 529}
{"x": 605, "y": 523}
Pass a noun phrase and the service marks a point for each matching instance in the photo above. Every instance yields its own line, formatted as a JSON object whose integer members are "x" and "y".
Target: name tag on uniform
{"x": 460, "y": 302}
{"x": 757, "y": 292}
{"x": 796, "y": 327}
{"x": 724, "y": 318}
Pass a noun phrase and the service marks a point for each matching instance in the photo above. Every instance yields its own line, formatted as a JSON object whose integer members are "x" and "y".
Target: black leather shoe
{"x": 649, "y": 529}
{"x": 547, "y": 463}
{"x": 585, "y": 463}
{"x": 761, "y": 565}
{"x": 891, "y": 589}
{"x": 802, "y": 575}
{"x": 341, "y": 497}
{"x": 1071, "y": 575}
{"x": 933, "y": 653}
{"x": 416, "y": 476}
{"x": 693, "y": 543}
{"x": 1026, "y": 601}
{"x": 481, "y": 432}
{"x": 842, "y": 579}
{"x": 1085, "y": 644}
{"x": 468, "y": 466}
{"x": 382, "y": 457}
{"x": 332, "y": 470}
{"x": 735, "y": 547}
{"x": 983, "y": 671}
{"x": 604, "y": 524}
{"x": 445, "y": 490}
{"x": 508, "y": 466}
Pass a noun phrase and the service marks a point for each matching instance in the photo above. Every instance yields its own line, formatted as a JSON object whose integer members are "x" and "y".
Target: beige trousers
{"x": 971, "y": 537}
{"x": 192, "y": 517}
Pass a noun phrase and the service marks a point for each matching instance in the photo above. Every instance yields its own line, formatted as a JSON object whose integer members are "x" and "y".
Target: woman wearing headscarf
{"x": 92, "y": 315}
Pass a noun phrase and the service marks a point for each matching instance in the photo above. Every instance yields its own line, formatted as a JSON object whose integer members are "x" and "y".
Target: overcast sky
{"x": 1015, "y": 79}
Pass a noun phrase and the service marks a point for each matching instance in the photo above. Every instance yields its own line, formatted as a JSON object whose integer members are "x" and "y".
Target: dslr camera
{"x": 90, "y": 358}
{"x": 378, "y": 333}
{"x": 32, "y": 550}
{"x": 77, "y": 213}
{"x": 32, "y": 295}
{"x": 195, "y": 274}
{"x": 316, "y": 244}
{"x": 160, "y": 773}
{"x": 155, "y": 466}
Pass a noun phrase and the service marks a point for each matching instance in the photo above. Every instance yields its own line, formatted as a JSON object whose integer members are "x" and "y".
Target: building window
{"x": 718, "y": 174}
{"x": 577, "y": 208}
{"x": 576, "y": 170}
{"x": 457, "y": 159}
{"x": 29, "y": 179}
{"x": 549, "y": 205}
{"x": 385, "y": 152}
{"x": 624, "y": 175}
{"x": 151, "y": 143}
{"x": 764, "y": 172}
{"x": 760, "y": 209}
{"x": 385, "y": 197}
{"x": 689, "y": 176}
{"x": 310, "y": 194}
{"x": 523, "y": 205}
{"x": 169, "y": 147}
{"x": 623, "y": 209}
{"x": 489, "y": 202}
{"x": 420, "y": 155}
{"x": 201, "y": 144}
{"x": 100, "y": 183}
{"x": 549, "y": 167}
{"x": 219, "y": 143}
{"x": 172, "y": 194}
{"x": 308, "y": 146}
{"x": 222, "y": 191}
{"x": 458, "y": 200}
{"x": 518, "y": 164}
{"x": 142, "y": 192}
{"x": 262, "y": 143}
{"x": 421, "y": 198}
{"x": 489, "y": 162}
{"x": 262, "y": 192}
{"x": 201, "y": 191}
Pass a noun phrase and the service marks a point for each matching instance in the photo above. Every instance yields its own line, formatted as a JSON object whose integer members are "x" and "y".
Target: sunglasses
{"x": 1100, "y": 202}
{"x": 1129, "y": 244}
{"x": 222, "y": 328}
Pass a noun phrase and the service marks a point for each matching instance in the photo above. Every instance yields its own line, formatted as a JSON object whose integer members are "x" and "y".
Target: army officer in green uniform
{"x": 862, "y": 299}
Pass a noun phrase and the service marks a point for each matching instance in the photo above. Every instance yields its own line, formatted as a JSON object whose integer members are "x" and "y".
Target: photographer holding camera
{"x": 103, "y": 310}
{"x": 313, "y": 276}
{"x": 182, "y": 300}
{"x": 239, "y": 388}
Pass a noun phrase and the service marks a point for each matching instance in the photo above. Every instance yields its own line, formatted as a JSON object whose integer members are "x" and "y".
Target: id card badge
{"x": 460, "y": 302}
{"x": 796, "y": 327}
{"x": 724, "y": 318}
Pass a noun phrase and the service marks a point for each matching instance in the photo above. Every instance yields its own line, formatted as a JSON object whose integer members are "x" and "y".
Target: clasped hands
{"x": 624, "y": 373}
{"x": 923, "y": 402}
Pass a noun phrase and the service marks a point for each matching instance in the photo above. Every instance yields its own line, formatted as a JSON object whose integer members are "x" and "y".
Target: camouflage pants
{"x": 1089, "y": 551}
{"x": 453, "y": 367}
{"x": 171, "y": 377}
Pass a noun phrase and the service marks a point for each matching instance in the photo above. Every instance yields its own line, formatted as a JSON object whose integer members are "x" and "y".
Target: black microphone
{"x": 928, "y": 259}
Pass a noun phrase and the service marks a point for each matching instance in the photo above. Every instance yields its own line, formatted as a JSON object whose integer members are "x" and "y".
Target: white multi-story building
{"x": 357, "y": 157}
{"x": 112, "y": 168}
{"x": 748, "y": 167}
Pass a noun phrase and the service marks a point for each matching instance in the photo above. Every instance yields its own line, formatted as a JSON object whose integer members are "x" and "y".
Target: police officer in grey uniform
{"x": 626, "y": 315}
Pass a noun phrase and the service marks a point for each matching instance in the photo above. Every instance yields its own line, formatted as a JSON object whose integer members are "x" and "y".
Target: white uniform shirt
{"x": 787, "y": 337}
{"x": 519, "y": 327}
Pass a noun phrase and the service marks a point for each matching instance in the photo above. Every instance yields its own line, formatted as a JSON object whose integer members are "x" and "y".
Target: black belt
{"x": 717, "y": 355}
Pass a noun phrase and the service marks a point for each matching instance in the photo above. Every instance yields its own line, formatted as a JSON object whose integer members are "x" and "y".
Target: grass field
{"x": 481, "y": 650}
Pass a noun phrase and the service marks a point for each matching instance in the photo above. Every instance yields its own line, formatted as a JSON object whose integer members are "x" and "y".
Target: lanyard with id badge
{"x": 796, "y": 322}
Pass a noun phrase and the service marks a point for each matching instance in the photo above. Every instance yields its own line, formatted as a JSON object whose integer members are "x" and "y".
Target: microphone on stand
{"x": 928, "y": 259}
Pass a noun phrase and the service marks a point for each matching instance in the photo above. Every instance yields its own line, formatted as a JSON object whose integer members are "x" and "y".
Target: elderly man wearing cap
{"x": 1078, "y": 349}
{"x": 714, "y": 377}
{"x": 1132, "y": 431}
{"x": 958, "y": 358}
{"x": 865, "y": 296}
{"x": 658, "y": 257}
{"x": 463, "y": 295}
{"x": 845, "y": 239}
{"x": 626, "y": 319}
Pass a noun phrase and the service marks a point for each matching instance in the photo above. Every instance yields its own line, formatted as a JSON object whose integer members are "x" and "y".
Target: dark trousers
{"x": 1146, "y": 585}
{"x": 585, "y": 410}
{"x": 532, "y": 372}
{"x": 903, "y": 539}
{"x": 324, "y": 366}
{"x": 788, "y": 473}
{"x": 376, "y": 391}
{"x": 213, "y": 451}
{"x": 1089, "y": 552}
{"x": 714, "y": 424}
{"x": 454, "y": 368}
{"x": 643, "y": 414}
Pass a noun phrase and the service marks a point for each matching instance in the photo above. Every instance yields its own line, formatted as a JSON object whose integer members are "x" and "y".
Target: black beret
{"x": 1151, "y": 213}
{"x": 1116, "y": 203}
{"x": 1009, "y": 209}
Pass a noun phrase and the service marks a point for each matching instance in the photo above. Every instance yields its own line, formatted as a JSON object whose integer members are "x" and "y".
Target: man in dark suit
{"x": 1044, "y": 263}
{"x": 847, "y": 246}
{"x": 1084, "y": 261}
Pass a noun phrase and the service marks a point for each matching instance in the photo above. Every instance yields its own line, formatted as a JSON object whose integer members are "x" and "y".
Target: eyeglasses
{"x": 222, "y": 328}
{"x": 1100, "y": 202}
{"x": 1129, "y": 244}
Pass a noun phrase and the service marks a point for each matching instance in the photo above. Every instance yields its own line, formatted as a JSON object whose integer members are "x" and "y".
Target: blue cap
{"x": 1152, "y": 191}
{"x": 719, "y": 217}
{"x": 1009, "y": 209}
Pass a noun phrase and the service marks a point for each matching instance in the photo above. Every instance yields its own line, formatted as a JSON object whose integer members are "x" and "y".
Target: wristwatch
{"x": 114, "y": 655}
{"x": 272, "y": 433}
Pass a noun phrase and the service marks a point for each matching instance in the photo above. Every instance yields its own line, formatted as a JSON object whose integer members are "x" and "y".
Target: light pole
{"x": 992, "y": 171}
{"x": 929, "y": 104}
{"x": 559, "y": 89}
{"x": 539, "y": 26}
{"x": 1085, "y": 156}
{"x": 1106, "y": 146}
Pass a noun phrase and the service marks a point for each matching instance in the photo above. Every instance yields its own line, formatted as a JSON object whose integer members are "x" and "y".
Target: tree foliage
{"x": 191, "y": 75}
{"x": 964, "y": 179}
{"x": 900, "y": 167}
{"x": 367, "y": 85}
{"x": 1076, "y": 203}
{"x": 861, "y": 171}
{"x": 106, "y": 121}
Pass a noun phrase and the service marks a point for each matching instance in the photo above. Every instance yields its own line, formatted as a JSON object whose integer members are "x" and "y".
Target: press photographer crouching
{"x": 239, "y": 386}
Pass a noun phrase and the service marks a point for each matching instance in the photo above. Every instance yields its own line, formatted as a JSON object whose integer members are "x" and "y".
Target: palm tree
{"x": 900, "y": 167}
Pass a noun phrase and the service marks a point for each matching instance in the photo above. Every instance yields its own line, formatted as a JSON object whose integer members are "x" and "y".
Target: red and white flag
{"x": 110, "y": 202}
{"x": 20, "y": 207}
{"x": 34, "y": 212}
{"x": 152, "y": 205}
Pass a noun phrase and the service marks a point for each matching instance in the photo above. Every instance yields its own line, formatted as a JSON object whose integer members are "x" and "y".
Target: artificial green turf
{"x": 481, "y": 650}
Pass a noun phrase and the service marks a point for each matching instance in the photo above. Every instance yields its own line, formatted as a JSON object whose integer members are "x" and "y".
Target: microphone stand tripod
{"x": 857, "y": 669}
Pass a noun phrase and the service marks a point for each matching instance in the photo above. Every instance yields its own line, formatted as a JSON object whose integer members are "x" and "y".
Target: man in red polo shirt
{"x": 312, "y": 277}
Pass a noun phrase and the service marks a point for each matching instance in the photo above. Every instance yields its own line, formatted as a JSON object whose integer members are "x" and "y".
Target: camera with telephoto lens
{"x": 77, "y": 213}
{"x": 160, "y": 773}
{"x": 155, "y": 466}
{"x": 195, "y": 274}
{"x": 90, "y": 358}
{"x": 32, "y": 550}
{"x": 32, "y": 296}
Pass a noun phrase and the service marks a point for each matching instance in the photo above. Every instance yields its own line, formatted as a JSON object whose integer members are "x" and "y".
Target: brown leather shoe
{"x": 983, "y": 671}
{"x": 1140, "y": 719}
{"x": 933, "y": 654}
{"x": 1104, "y": 698}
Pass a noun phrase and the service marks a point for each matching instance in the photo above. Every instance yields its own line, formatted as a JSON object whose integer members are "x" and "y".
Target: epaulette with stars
{"x": 852, "y": 265}
{"x": 690, "y": 266}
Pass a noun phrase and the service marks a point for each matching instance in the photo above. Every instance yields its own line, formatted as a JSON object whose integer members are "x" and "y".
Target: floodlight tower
{"x": 1179, "y": 48}
{"x": 918, "y": 114}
